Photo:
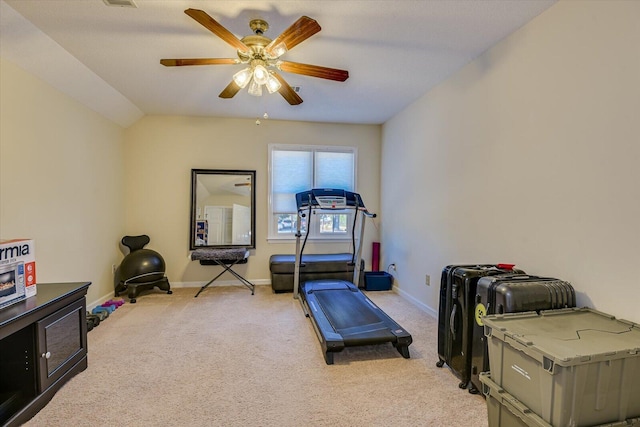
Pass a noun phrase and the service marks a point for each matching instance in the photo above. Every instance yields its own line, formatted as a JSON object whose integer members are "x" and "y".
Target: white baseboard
{"x": 261, "y": 282}
{"x": 257, "y": 282}
{"x": 422, "y": 306}
{"x": 93, "y": 304}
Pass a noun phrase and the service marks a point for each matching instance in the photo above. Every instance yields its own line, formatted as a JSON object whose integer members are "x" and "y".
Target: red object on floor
{"x": 375, "y": 257}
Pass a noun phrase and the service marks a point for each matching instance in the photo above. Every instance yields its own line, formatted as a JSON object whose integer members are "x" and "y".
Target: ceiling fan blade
{"x": 298, "y": 32}
{"x": 216, "y": 28}
{"x": 197, "y": 61}
{"x": 287, "y": 91}
{"x": 230, "y": 91}
{"x": 313, "y": 71}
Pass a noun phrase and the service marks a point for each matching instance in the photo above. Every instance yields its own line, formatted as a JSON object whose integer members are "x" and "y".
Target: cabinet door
{"x": 62, "y": 342}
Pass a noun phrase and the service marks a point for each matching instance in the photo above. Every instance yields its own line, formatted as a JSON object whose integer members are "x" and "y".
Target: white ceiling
{"x": 395, "y": 51}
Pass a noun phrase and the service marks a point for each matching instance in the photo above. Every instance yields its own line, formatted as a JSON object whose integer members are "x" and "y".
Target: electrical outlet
{"x": 427, "y": 280}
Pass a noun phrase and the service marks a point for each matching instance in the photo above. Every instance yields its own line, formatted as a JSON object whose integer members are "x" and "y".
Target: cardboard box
{"x": 17, "y": 270}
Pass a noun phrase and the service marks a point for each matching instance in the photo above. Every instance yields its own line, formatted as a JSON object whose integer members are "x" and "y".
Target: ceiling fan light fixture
{"x": 279, "y": 50}
{"x": 260, "y": 74}
{"x": 242, "y": 77}
{"x": 273, "y": 85}
{"x": 261, "y": 56}
{"x": 255, "y": 89}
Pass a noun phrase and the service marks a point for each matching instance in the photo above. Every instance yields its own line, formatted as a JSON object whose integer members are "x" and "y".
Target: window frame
{"x": 315, "y": 235}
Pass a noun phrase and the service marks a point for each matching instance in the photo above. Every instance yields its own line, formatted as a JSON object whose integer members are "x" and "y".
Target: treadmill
{"x": 341, "y": 314}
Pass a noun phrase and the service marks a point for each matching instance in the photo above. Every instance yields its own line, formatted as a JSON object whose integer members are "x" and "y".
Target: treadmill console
{"x": 330, "y": 202}
{"x": 329, "y": 198}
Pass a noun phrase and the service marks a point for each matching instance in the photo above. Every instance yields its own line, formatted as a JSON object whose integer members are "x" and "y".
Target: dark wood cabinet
{"x": 43, "y": 343}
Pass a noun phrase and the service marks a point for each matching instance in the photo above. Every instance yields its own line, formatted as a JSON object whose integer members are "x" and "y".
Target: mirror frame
{"x": 192, "y": 226}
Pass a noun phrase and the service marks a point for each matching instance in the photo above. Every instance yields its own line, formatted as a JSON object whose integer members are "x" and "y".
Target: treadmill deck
{"x": 343, "y": 316}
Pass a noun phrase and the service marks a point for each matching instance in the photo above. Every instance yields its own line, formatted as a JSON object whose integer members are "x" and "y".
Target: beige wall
{"x": 161, "y": 151}
{"x": 527, "y": 155}
{"x": 60, "y": 181}
{"x": 90, "y": 182}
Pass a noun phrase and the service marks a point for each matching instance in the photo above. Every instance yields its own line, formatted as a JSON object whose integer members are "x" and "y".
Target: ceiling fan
{"x": 262, "y": 56}
{"x": 247, "y": 183}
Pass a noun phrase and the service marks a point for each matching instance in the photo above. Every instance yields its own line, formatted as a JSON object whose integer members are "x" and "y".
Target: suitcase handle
{"x": 452, "y": 320}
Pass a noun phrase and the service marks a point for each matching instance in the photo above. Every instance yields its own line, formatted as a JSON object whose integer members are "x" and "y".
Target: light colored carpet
{"x": 228, "y": 358}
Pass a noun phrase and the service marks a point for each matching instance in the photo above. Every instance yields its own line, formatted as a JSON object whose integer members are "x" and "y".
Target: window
{"x": 296, "y": 168}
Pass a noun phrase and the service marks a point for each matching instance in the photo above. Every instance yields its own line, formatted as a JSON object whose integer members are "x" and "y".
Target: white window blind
{"x": 292, "y": 172}
{"x": 334, "y": 170}
{"x": 296, "y": 168}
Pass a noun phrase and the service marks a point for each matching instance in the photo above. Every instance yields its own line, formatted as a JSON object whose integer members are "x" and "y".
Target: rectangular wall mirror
{"x": 223, "y": 208}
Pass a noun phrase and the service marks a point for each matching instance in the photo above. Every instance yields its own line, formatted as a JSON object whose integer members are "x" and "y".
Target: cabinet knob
{"x": 46, "y": 355}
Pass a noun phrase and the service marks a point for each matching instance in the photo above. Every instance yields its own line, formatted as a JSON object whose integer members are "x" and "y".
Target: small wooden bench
{"x": 312, "y": 267}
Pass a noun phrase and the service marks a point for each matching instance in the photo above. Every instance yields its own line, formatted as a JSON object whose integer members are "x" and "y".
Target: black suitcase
{"x": 455, "y": 314}
{"x": 512, "y": 293}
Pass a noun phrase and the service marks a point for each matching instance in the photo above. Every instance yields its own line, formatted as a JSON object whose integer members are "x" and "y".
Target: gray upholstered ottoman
{"x": 313, "y": 267}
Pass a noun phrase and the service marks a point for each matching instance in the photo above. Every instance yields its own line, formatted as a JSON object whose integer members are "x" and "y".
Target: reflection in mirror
{"x": 222, "y": 208}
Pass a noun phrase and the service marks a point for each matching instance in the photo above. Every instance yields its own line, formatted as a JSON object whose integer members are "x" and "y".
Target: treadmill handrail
{"x": 306, "y": 201}
{"x": 363, "y": 210}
